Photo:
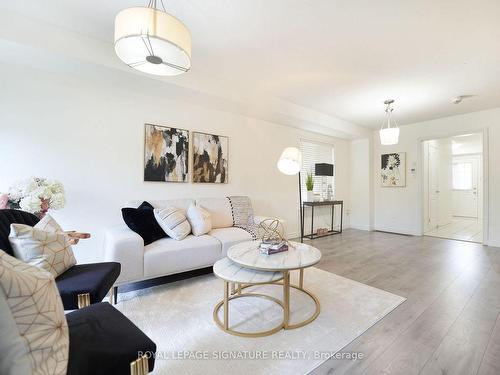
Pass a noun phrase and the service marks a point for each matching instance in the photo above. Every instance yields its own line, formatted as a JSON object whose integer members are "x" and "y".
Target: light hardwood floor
{"x": 460, "y": 228}
{"x": 450, "y": 322}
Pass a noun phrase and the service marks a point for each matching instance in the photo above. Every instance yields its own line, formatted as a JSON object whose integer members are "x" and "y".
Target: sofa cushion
{"x": 168, "y": 256}
{"x": 104, "y": 341}
{"x": 219, "y": 209}
{"x": 173, "y": 221}
{"x": 229, "y": 237}
{"x": 143, "y": 222}
{"x": 183, "y": 204}
{"x": 200, "y": 220}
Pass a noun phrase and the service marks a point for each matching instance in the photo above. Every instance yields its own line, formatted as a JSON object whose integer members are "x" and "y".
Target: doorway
{"x": 453, "y": 187}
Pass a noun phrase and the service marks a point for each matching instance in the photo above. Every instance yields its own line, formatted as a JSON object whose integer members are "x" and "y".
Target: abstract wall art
{"x": 210, "y": 158}
{"x": 166, "y": 154}
{"x": 393, "y": 169}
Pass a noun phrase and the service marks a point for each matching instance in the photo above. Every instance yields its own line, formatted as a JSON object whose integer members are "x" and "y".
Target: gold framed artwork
{"x": 210, "y": 158}
{"x": 166, "y": 154}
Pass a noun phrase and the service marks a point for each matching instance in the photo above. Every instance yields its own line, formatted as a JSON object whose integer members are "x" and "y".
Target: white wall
{"x": 399, "y": 210}
{"x": 360, "y": 185}
{"x": 88, "y": 132}
{"x": 471, "y": 144}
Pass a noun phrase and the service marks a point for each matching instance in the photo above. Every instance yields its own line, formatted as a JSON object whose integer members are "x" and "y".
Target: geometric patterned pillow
{"x": 48, "y": 224}
{"x": 36, "y": 315}
{"x": 46, "y": 249}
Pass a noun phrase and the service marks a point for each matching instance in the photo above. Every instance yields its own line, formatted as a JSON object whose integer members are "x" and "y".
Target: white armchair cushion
{"x": 219, "y": 209}
{"x": 200, "y": 220}
{"x": 173, "y": 222}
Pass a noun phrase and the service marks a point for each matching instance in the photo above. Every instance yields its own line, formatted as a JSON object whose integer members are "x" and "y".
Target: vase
{"x": 310, "y": 196}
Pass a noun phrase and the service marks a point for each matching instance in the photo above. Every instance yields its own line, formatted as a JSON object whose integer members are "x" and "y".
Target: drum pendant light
{"x": 152, "y": 41}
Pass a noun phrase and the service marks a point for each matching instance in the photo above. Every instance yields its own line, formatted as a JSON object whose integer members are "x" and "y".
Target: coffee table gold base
{"x": 285, "y": 305}
{"x": 225, "y": 325}
{"x": 313, "y": 316}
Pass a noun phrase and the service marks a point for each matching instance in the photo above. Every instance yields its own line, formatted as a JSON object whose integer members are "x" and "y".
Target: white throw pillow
{"x": 173, "y": 222}
{"x": 43, "y": 245}
{"x": 48, "y": 224}
{"x": 32, "y": 321}
{"x": 200, "y": 220}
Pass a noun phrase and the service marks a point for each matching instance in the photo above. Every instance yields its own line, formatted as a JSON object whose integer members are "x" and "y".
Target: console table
{"x": 332, "y": 231}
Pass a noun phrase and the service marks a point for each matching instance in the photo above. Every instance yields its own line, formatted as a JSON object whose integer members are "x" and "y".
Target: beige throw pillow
{"x": 32, "y": 320}
{"x": 173, "y": 221}
{"x": 43, "y": 245}
{"x": 200, "y": 220}
{"x": 48, "y": 224}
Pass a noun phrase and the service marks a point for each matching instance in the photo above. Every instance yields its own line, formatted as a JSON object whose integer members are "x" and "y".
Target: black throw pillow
{"x": 142, "y": 221}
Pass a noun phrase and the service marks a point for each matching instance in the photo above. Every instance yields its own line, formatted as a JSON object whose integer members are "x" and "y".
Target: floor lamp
{"x": 290, "y": 163}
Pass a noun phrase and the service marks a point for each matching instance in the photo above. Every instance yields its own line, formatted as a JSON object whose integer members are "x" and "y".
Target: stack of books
{"x": 273, "y": 247}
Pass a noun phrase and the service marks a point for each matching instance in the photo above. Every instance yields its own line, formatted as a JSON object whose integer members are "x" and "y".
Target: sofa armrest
{"x": 126, "y": 247}
{"x": 257, "y": 219}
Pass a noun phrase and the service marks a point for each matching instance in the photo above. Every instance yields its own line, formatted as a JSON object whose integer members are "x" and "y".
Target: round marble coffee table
{"x": 298, "y": 257}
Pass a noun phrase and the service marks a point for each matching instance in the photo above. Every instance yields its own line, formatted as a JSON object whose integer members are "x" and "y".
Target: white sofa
{"x": 168, "y": 256}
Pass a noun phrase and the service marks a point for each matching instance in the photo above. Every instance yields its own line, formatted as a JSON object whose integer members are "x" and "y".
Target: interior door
{"x": 433, "y": 187}
{"x": 466, "y": 186}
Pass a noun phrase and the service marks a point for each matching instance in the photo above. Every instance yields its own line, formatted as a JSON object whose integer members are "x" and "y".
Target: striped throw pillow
{"x": 173, "y": 221}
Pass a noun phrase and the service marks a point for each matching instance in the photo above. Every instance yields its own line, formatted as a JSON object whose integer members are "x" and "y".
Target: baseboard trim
{"x": 360, "y": 227}
{"x": 407, "y": 232}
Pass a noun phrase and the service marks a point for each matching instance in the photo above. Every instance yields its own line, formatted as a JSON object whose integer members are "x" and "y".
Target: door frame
{"x": 420, "y": 178}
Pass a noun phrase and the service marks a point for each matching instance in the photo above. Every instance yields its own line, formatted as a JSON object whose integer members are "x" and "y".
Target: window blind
{"x": 312, "y": 153}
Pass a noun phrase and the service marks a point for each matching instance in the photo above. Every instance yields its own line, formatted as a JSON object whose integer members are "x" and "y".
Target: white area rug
{"x": 178, "y": 318}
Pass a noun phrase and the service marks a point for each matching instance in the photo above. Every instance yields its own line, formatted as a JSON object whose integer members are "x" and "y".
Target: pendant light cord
{"x": 153, "y": 4}
{"x": 388, "y": 111}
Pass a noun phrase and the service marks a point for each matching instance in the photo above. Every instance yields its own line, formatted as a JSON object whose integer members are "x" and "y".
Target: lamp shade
{"x": 152, "y": 41}
{"x": 389, "y": 136}
{"x": 323, "y": 169}
{"x": 290, "y": 161}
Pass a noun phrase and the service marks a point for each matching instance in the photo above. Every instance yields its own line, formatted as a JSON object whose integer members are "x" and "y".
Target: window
{"x": 313, "y": 153}
{"x": 462, "y": 176}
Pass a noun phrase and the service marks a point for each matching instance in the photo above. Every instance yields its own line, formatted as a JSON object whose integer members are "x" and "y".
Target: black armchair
{"x": 79, "y": 286}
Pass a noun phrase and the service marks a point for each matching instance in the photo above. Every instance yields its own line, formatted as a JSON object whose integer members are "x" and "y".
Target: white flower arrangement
{"x": 36, "y": 195}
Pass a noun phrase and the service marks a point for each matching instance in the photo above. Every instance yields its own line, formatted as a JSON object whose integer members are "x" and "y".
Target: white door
{"x": 466, "y": 186}
{"x": 433, "y": 187}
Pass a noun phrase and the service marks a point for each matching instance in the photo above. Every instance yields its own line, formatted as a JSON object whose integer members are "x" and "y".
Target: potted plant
{"x": 309, "y": 187}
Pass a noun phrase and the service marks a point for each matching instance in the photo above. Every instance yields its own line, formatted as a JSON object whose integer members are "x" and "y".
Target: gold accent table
{"x": 234, "y": 274}
{"x": 246, "y": 257}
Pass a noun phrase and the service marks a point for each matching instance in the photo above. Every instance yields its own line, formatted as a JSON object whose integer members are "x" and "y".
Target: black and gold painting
{"x": 210, "y": 158}
{"x": 166, "y": 153}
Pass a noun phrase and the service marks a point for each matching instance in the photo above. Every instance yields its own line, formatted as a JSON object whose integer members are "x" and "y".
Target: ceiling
{"x": 336, "y": 58}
